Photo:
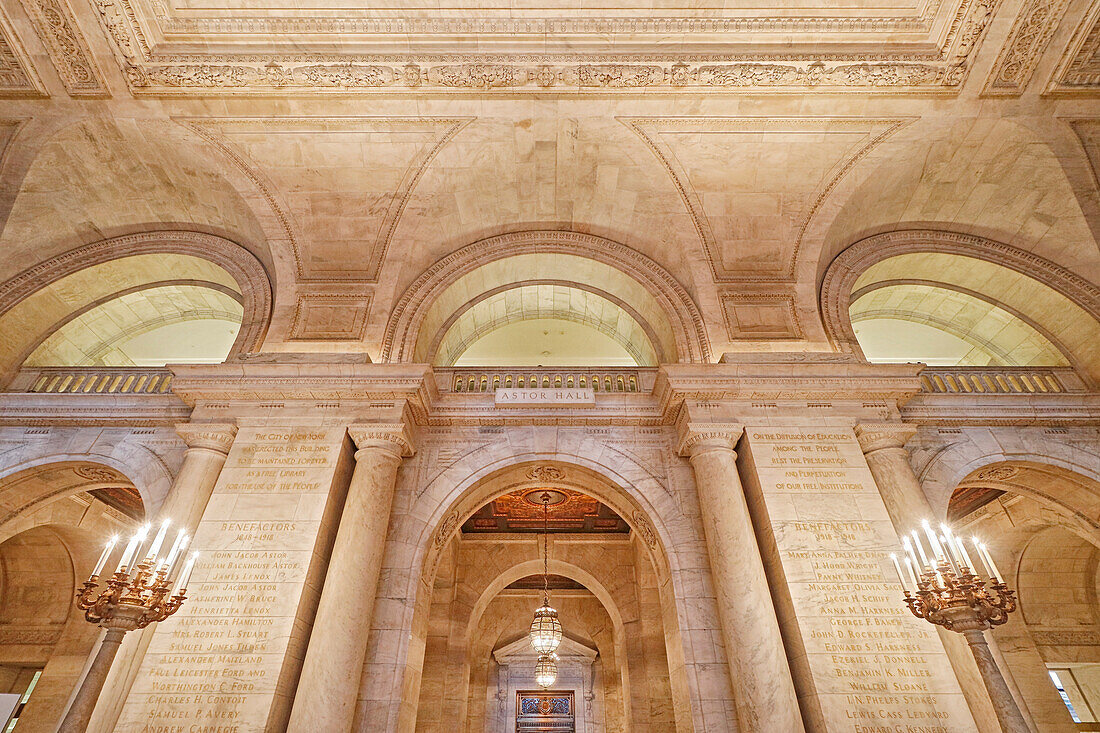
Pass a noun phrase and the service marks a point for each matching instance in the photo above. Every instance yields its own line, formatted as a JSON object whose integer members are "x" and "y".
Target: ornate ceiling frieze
{"x": 927, "y": 52}
{"x": 55, "y": 24}
{"x": 17, "y": 76}
{"x": 1026, "y": 42}
{"x": 1079, "y": 70}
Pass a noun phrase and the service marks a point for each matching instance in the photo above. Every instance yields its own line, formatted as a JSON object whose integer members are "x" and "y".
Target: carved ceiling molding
{"x": 157, "y": 71}
{"x": 212, "y": 131}
{"x": 17, "y": 74}
{"x": 840, "y": 277}
{"x": 1079, "y": 70}
{"x": 760, "y": 316}
{"x": 241, "y": 264}
{"x": 650, "y": 129}
{"x": 406, "y": 319}
{"x": 56, "y": 25}
{"x": 329, "y": 317}
{"x": 1029, "y": 37}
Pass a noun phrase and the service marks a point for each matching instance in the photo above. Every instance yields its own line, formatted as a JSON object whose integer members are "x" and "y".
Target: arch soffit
{"x": 1016, "y": 313}
{"x": 442, "y": 331}
{"x": 1059, "y": 551}
{"x": 1021, "y": 475}
{"x": 843, "y": 272}
{"x": 403, "y": 328}
{"x": 242, "y": 266}
{"x": 469, "y": 490}
{"x": 534, "y": 567}
{"x": 143, "y": 469}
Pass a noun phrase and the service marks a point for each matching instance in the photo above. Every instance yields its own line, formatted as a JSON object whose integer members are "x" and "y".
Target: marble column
{"x": 207, "y": 448}
{"x": 329, "y": 684}
{"x": 883, "y": 446}
{"x": 763, "y": 687}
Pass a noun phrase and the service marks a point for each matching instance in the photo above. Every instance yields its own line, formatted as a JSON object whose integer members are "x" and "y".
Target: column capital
{"x": 875, "y": 436}
{"x": 393, "y": 437}
{"x": 693, "y": 436}
{"x": 217, "y": 437}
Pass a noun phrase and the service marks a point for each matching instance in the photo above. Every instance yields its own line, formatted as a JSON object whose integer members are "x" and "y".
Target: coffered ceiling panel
{"x": 331, "y": 45}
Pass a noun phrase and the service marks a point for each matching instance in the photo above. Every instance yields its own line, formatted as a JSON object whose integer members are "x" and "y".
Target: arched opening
{"x": 54, "y": 520}
{"x": 481, "y": 584}
{"x": 605, "y": 299}
{"x": 614, "y": 673}
{"x": 137, "y": 300}
{"x": 958, "y": 300}
{"x": 1042, "y": 525}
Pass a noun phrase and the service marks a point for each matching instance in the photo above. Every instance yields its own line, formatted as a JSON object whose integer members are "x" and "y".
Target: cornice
{"x": 1049, "y": 410}
{"x": 17, "y": 74}
{"x": 91, "y": 410}
{"x": 55, "y": 24}
{"x": 262, "y": 384}
{"x": 794, "y": 377}
{"x": 1028, "y": 39}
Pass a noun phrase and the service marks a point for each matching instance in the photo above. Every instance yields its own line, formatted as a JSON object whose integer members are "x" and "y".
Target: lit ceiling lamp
{"x": 545, "y": 628}
{"x": 546, "y": 670}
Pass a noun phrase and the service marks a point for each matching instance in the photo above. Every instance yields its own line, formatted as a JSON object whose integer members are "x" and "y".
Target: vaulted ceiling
{"x": 739, "y": 146}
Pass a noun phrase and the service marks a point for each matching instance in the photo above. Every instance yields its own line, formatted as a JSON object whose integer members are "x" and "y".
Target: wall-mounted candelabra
{"x": 148, "y": 585}
{"x": 943, "y": 587}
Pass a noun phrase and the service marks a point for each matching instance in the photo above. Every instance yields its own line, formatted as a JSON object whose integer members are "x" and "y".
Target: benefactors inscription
{"x": 221, "y": 663}
{"x": 874, "y": 667}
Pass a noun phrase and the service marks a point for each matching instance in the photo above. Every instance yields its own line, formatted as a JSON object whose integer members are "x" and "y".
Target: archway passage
{"x": 478, "y": 660}
{"x": 1042, "y": 525}
{"x": 54, "y": 520}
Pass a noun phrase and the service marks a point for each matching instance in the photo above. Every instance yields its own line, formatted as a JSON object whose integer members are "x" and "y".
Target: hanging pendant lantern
{"x": 545, "y": 627}
{"x": 546, "y": 670}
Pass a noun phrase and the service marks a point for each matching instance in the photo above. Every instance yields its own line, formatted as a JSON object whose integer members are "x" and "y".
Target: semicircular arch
{"x": 52, "y": 291}
{"x": 1064, "y": 304}
{"x": 669, "y": 307}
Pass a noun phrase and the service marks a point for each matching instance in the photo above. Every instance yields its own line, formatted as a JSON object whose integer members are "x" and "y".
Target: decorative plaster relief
{"x": 17, "y": 75}
{"x": 330, "y": 318}
{"x": 1036, "y": 23}
{"x": 683, "y": 145}
{"x": 1079, "y": 70}
{"x": 57, "y": 27}
{"x": 760, "y": 317}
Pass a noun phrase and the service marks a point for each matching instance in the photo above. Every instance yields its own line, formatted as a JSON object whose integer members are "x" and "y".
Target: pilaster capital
{"x": 693, "y": 436}
{"x": 876, "y": 436}
{"x": 217, "y": 437}
{"x": 395, "y": 438}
